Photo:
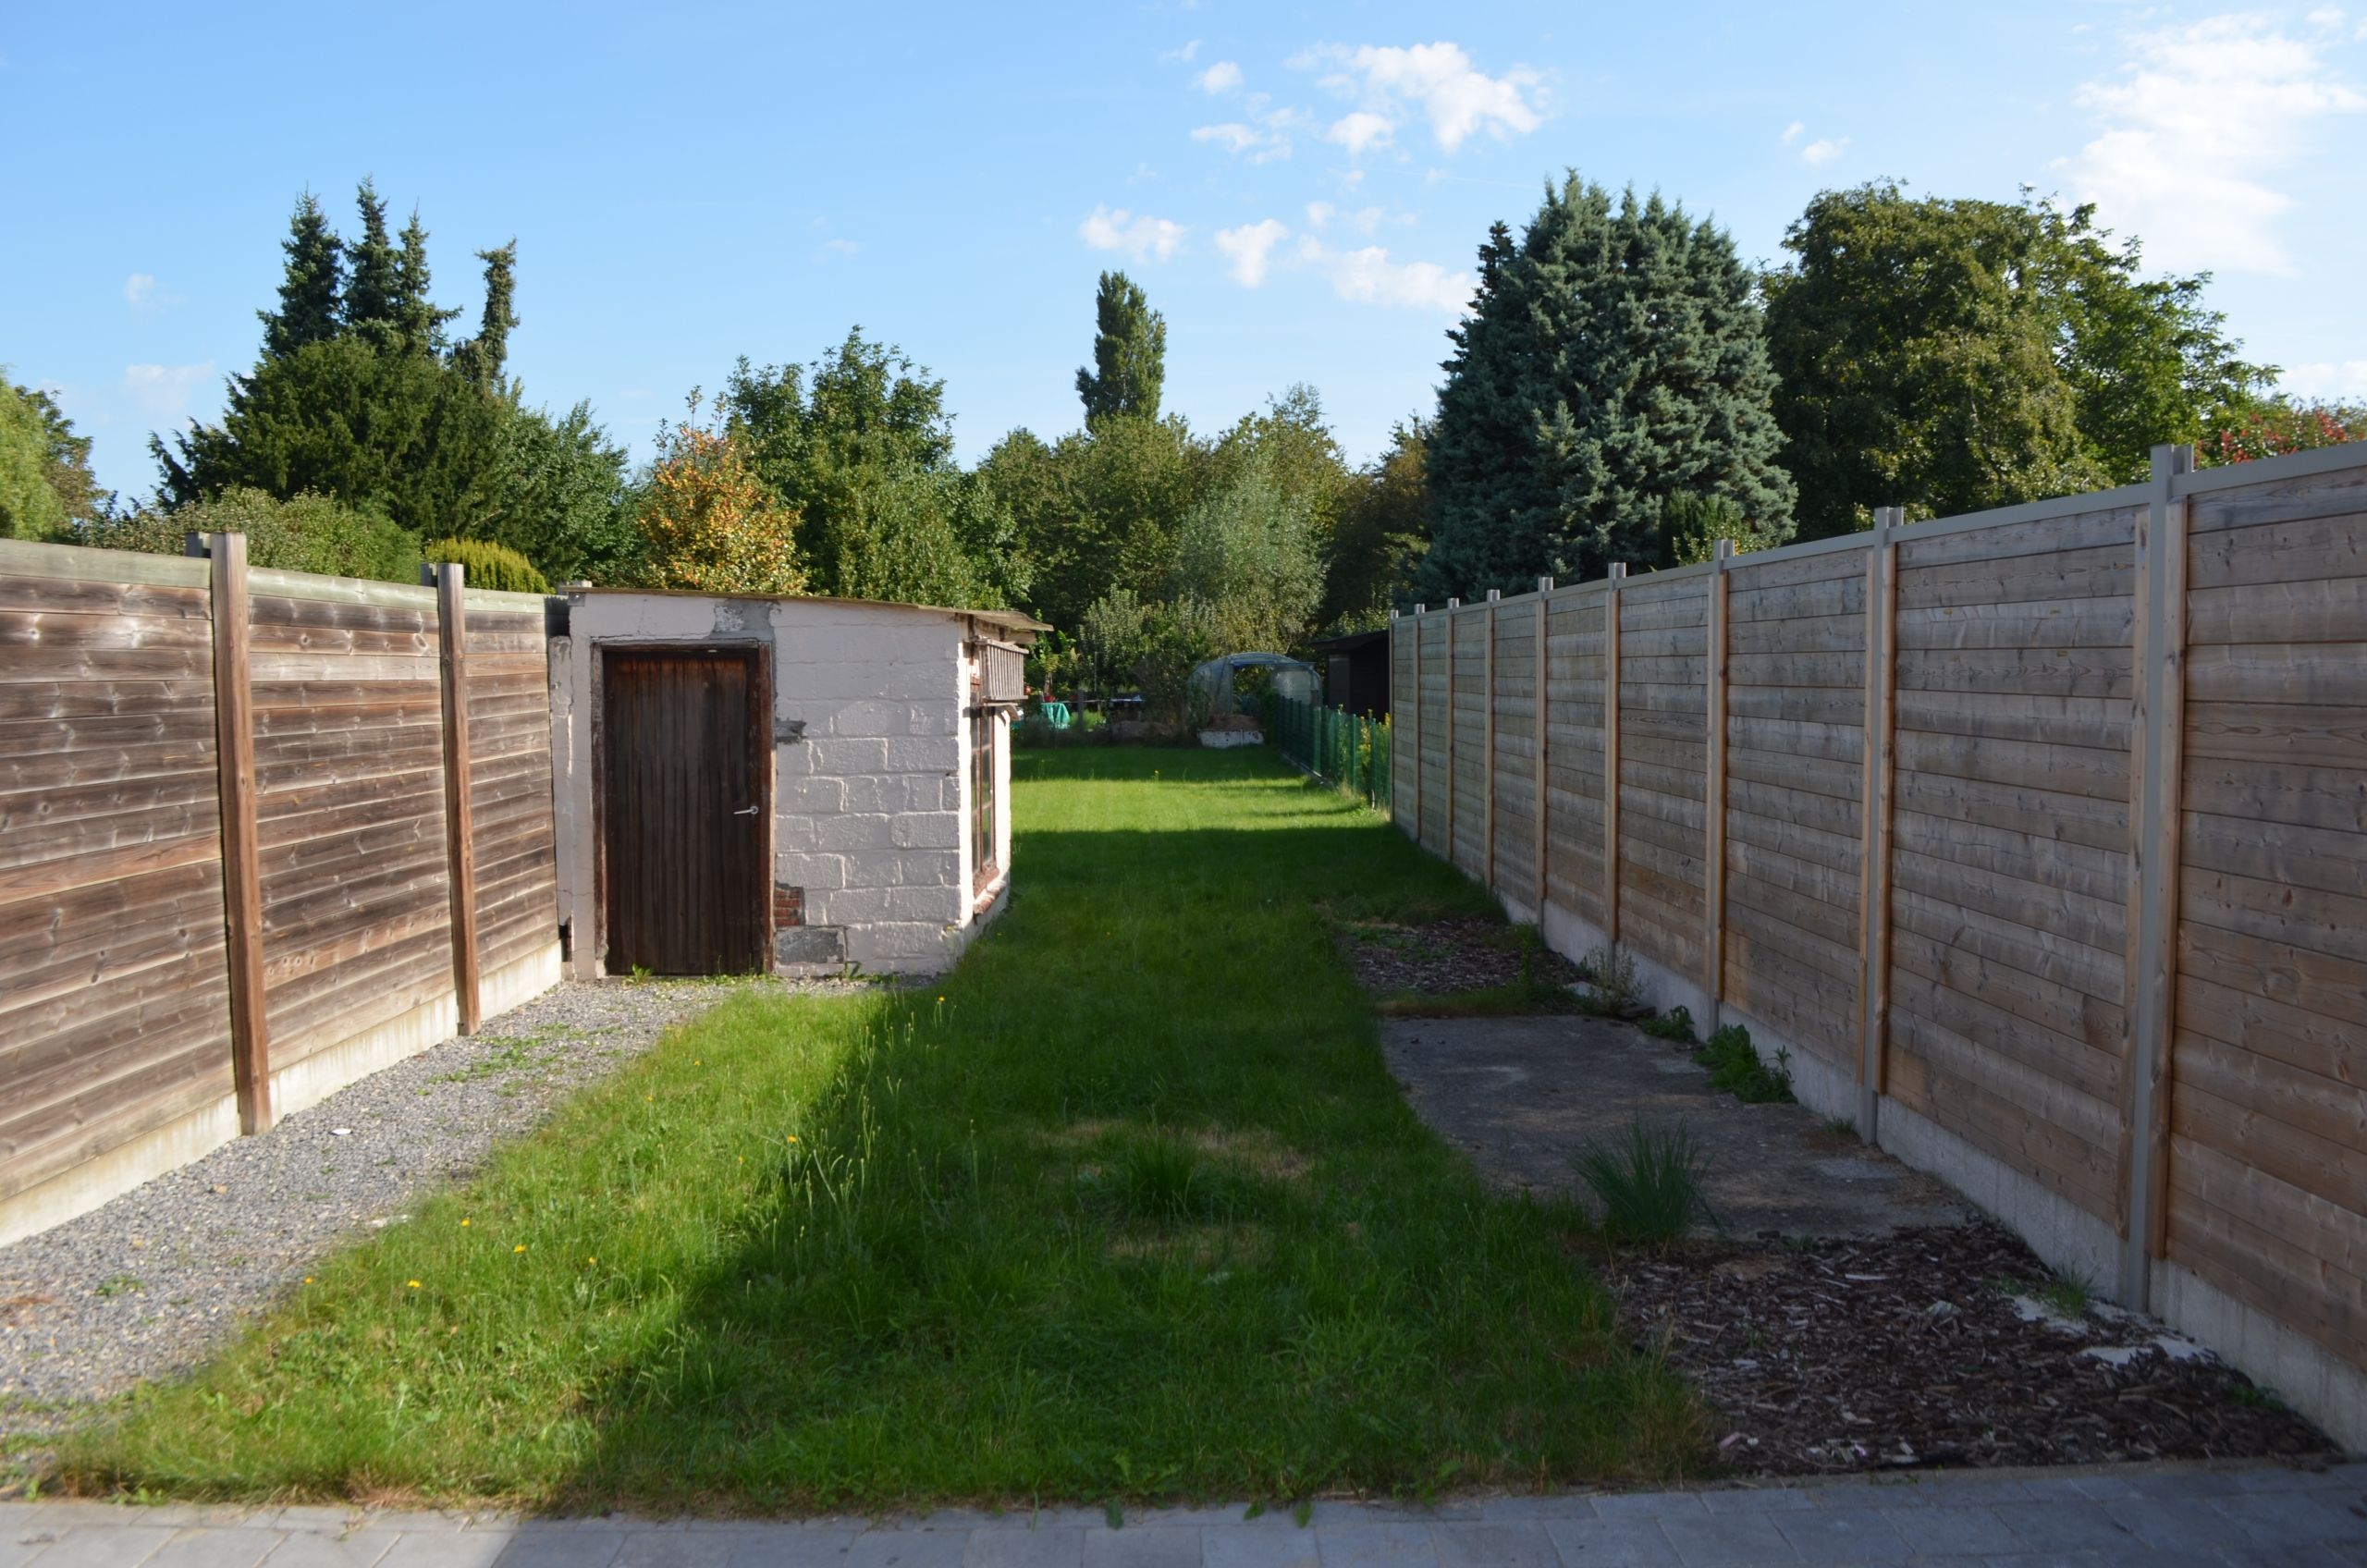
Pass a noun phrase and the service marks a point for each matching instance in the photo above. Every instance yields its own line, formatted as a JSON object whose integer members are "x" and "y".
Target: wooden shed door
{"x": 683, "y": 812}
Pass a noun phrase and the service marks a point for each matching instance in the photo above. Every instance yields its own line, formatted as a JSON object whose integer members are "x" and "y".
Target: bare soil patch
{"x": 1443, "y": 957}
{"x": 1933, "y": 1345}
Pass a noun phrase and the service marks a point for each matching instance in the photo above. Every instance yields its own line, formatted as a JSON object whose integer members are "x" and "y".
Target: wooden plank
{"x": 241, "y": 879}
{"x": 2308, "y": 674}
{"x": 2106, "y": 526}
{"x": 2320, "y": 610}
{"x": 2097, "y": 572}
{"x": 2093, "y": 971}
{"x": 2277, "y": 1031}
{"x": 2055, "y": 623}
{"x": 2065, "y": 672}
{"x": 452, "y": 610}
{"x": 2266, "y": 732}
{"x": 2311, "y": 981}
{"x": 2306, "y": 550}
{"x": 1879, "y": 746}
{"x": 2096, "y": 772}
{"x": 1488, "y": 746}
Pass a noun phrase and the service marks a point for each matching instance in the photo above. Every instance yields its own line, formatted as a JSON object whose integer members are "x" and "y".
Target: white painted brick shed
{"x": 797, "y": 785}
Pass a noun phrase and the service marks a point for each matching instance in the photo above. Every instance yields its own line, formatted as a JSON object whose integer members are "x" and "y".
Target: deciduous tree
{"x": 1129, "y": 354}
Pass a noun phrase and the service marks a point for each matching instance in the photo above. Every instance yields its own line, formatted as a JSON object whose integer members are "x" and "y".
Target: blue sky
{"x": 1300, "y": 189}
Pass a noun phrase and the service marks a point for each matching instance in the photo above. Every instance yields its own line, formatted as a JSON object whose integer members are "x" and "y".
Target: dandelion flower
{"x": 308, "y": 1279}
{"x": 519, "y": 1248}
{"x": 414, "y": 1283}
{"x": 465, "y": 1224}
{"x": 792, "y": 1137}
{"x": 591, "y": 1260}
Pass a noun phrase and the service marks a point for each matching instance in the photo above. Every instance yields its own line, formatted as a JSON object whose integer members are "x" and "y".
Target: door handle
{"x": 750, "y": 811}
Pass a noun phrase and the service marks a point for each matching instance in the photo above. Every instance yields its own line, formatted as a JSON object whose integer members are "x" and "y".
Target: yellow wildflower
{"x": 519, "y": 1248}
{"x": 414, "y": 1284}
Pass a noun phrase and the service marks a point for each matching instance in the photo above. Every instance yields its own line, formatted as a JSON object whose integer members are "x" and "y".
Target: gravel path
{"x": 153, "y": 1281}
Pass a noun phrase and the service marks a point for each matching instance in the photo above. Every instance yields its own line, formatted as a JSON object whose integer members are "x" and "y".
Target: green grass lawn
{"x": 1127, "y": 1208}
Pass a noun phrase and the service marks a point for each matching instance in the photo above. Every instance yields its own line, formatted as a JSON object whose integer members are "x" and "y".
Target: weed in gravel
{"x": 2068, "y": 1296}
{"x": 119, "y": 1284}
{"x": 1737, "y": 1068}
{"x": 1650, "y": 1188}
{"x": 1611, "y": 983}
{"x": 1676, "y": 1024}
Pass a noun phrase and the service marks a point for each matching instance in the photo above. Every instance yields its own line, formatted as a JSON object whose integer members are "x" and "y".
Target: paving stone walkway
{"x": 2163, "y": 1517}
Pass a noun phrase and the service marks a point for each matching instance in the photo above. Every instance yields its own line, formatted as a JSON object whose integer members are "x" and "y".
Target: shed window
{"x": 982, "y": 794}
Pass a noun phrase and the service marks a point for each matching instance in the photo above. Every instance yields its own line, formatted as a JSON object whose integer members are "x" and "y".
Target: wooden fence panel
{"x": 114, "y": 990}
{"x": 1513, "y": 771}
{"x": 349, "y": 764}
{"x": 510, "y": 753}
{"x": 1436, "y": 714}
{"x": 1663, "y": 762}
{"x": 1574, "y": 793}
{"x": 2015, "y": 682}
{"x": 1468, "y": 829}
{"x": 2267, "y": 1092}
{"x": 1796, "y": 630}
{"x": 1404, "y": 756}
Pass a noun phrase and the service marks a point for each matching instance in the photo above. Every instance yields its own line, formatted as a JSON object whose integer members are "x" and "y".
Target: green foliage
{"x": 46, "y": 486}
{"x": 2253, "y": 427}
{"x": 495, "y": 567}
{"x": 1676, "y": 1024}
{"x": 1956, "y": 355}
{"x": 860, "y": 446}
{"x": 480, "y": 360}
{"x": 1270, "y": 1235}
{"x": 1735, "y": 1068}
{"x": 311, "y": 532}
{"x": 1382, "y": 532}
{"x": 1649, "y": 1186}
{"x": 1612, "y": 358}
{"x": 563, "y": 500}
{"x": 1129, "y": 354}
{"x": 312, "y": 286}
{"x": 1695, "y": 526}
{"x": 708, "y": 521}
{"x": 1097, "y": 511}
{"x": 1246, "y": 572}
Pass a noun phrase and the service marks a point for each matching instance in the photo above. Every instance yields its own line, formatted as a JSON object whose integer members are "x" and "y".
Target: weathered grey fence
{"x": 2083, "y": 926}
{"x": 234, "y": 810}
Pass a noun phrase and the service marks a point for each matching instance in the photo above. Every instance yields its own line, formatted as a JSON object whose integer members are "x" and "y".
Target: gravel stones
{"x": 151, "y": 1282}
{"x": 1935, "y": 1345}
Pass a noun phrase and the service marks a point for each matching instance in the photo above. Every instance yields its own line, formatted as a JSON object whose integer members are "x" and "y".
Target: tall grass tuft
{"x": 1735, "y": 1066}
{"x": 1650, "y": 1186}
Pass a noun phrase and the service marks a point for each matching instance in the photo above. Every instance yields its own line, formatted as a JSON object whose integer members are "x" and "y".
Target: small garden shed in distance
{"x": 792, "y": 785}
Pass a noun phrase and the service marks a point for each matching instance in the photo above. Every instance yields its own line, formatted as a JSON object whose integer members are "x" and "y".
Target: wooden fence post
{"x": 1542, "y": 843}
{"x": 1618, "y": 574}
{"x": 452, "y": 637}
{"x": 234, "y": 730}
{"x": 1488, "y": 751}
{"x": 2158, "y": 740}
{"x": 1713, "y": 878}
{"x": 1873, "y": 877}
{"x": 1414, "y": 729}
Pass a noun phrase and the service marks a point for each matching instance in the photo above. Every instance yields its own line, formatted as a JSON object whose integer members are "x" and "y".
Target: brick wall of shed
{"x": 870, "y": 767}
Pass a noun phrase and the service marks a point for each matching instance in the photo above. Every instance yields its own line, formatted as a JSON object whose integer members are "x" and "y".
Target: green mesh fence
{"x": 1341, "y": 747}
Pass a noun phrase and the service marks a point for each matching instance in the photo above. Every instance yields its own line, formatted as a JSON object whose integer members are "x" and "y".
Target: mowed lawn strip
{"x": 1125, "y": 1208}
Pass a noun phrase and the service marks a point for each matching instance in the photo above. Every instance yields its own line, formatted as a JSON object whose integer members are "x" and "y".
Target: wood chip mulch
{"x": 1442, "y": 956}
{"x": 1931, "y": 1347}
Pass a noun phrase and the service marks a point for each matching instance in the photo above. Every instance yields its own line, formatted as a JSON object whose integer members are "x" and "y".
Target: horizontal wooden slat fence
{"x": 2038, "y": 836}
{"x": 209, "y": 773}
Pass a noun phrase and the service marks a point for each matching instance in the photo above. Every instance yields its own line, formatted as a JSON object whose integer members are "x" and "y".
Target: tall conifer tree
{"x": 311, "y": 292}
{"x": 1613, "y": 359}
{"x": 376, "y": 283}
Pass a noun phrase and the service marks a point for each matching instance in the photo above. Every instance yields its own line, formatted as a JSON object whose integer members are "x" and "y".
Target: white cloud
{"x": 1367, "y": 276}
{"x": 2188, "y": 131}
{"x": 1249, "y": 249}
{"x": 1222, "y": 77}
{"x": 1189, "y": 53}
{"x": 843, "y": 247}
{"x": 1262, "y": 142}
{"x": 1824, "y": 151}
{"x": 1319, "y": 212}
{"x": 139, "y": 289}
{"x": 1793, "y": 132}
{"x": 1360, "y": 131}
{"x": 1439, "y": 81}
{"x": 2346, "y": 380}
{"x": 1140, "y": 235}
{"x": 163, "y": 392}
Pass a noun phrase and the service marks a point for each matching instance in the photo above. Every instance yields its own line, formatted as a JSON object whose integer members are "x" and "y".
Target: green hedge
{"x": 489, "y": 565}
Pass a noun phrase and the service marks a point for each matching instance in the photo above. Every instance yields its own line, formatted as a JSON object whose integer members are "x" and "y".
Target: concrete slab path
{"x": 2157, "y": 1516}
{"x": 1523, "y": 1096}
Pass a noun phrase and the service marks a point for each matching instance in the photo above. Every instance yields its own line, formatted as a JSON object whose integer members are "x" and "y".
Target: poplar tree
{"x": 1129, "y": 355}
{"x": 1613, "y": 359}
